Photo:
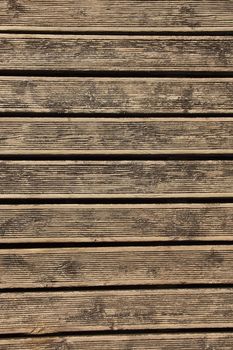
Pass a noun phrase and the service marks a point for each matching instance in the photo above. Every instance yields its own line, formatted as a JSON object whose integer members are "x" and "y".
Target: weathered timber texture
{"x": 115, "y": 53}
{"x": 115, "y": 223}
{"x": 116, "y": 179}
{"x": 177, "y": 341}
{"x": 116, "y": 135}
{"x": 116, "y": 95}
{"x": 75, "y": 267}
{"x": 116, "y": 15}
{"x": 51, "y": 312}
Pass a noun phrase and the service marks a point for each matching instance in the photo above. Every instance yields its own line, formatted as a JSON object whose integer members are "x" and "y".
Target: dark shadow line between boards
{"x": 150, "y": 73}
{"x": 128, "y": 244}
{"x": 109, "y": 288}
{"x": 109, "y": 333}
{"x": 122, "y": 114}
{"x": 117, "y": 157}
{"x": 146, "y": 32}
{"x": 129, "y": 200}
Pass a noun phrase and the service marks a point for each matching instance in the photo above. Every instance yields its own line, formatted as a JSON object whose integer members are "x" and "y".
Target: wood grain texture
{"x": 115, "y": 223}
{"x": 116, "y": 95}
{"x": 116, "y": 179}
{"x": 39, "y": 312}
{"x": 118, "y": 266}
{"x": 116, "y": 135}
{"x": 128, "y": 15}
{"x": 177, "y": 341}
{"x": 115, "y": 53}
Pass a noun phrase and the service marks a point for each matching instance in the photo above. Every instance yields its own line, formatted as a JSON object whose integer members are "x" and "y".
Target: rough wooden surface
{"x": 115, "y": 53}
{"x": 116, "y": 135}
{"x": 51, "y": 312}
{"x": 116, "y": 15}
{"x": 75, "y": 267}
{"x": 116, "y": 179}
{"x": 116, "y": 95}
{"x": 115, "y": 223}
{"x": 188, "y": 341}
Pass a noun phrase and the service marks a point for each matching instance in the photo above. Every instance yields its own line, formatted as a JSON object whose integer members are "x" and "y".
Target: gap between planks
{"x": 177, "y": 341}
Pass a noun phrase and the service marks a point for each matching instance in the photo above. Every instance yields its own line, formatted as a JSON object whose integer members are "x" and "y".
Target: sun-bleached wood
{"x": 115, "y": 53}
{"x": 116, "y": 15}
{"x": 116, "y": 179}
{"x": 115, "y": 223}
{"x": 176, "y": 341}
{"x": 52, "y": 312}
{"x": 116, "y": 135}
{"x": 116, "y": 95}
{"x": 115, "y": 266}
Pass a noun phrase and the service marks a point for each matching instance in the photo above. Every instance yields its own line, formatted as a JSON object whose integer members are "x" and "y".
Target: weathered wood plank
{"x": 115, "y": 53}
{"x": 116, "y": 135}
{"x": 39, "y": 312}
{"x": 116, "y": 95}
{"x": 177, "y": 341}
{"x": 76, "y": 267}
{"x": 116, "y": 223}
{"x": 117, "y": 15}
{"x": 116, "y": 179}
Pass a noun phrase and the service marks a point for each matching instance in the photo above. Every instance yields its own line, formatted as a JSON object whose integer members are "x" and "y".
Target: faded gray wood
{"x": 116, "y": 179}
{"x": 116, "y": 135}
{"x": 76, "y": 267}
{"x": 116, "y": 223}
{"x": 51, "y": 312}
{"x": 116, "y": 95}
{"x": 177, "y": 341}
{"x": 116, "y": 15}
{"x": 115, "y": 53}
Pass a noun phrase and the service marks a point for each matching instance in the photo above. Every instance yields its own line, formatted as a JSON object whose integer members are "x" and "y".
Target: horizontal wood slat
{"x": 39, "y": 312}
{"x": 115, "y": 53}
{"x": 115, "y": 223}
{"x": 116, "y": 135}
{"x": 177, "y": 341}
{"x": 116, "y": 179}
{"x": 117, "y": 15}
{"x": 75, "y": 267}
{"x": 116, "y": 95}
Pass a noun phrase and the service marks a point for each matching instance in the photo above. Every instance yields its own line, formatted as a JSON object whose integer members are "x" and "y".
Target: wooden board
{"x": 116, "y": 15}
{"x": 76, "y": 267}
{"x": 52, "y": 312}
{"x": 177, "y": 341}
{"x": 115, "y": 223}
{"x": 116, "y": 179}
{"x": 115, "y": 53}
{"x": 116, "y": 95}
{"x": 69, "y": 136}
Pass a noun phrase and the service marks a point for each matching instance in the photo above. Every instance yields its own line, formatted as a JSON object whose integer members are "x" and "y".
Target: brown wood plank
{"x": 116, "y": 135}
{"x": 115, "y": 53}
{"x": 116, "y": 223}
{"x": 117, "y": 266}
{"x": 116, "y": 95}
{"x": 177, "y": 341}
{"x": 116, "y": 179}
{"x": 39, "y": 312}
{"x": 116, "y": 15}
